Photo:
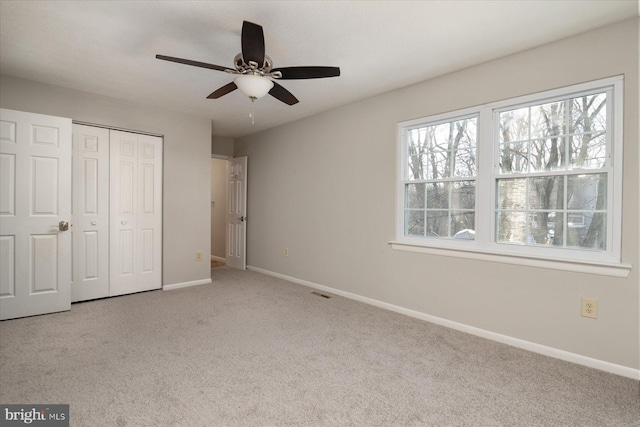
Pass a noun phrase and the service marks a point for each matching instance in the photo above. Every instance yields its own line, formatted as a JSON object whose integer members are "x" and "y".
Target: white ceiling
{"x": 109, "y": 47}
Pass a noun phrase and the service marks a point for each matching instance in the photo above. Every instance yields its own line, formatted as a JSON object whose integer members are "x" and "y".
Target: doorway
{"x": 218, "y": 212}
{"x": 229, "y": 201}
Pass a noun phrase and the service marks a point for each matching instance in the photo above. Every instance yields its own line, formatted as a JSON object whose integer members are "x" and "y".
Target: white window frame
{"x": 484, "y": 247}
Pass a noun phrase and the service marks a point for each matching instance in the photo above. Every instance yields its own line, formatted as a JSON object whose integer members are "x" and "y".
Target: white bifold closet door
{"x": 90, "y": 272}
{"x": 135, "y": 213}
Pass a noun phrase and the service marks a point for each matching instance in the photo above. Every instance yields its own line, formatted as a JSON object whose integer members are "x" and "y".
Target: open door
{"x": 35, "y": 211}
{"x": 237, "y": 213}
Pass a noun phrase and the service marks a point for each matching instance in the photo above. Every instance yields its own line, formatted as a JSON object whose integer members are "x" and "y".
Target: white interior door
{"x": 237, "y": 213}
{"x": 135, "y": 213}
{"x": 90, "y": 232}
{"x": 35, "y": 204}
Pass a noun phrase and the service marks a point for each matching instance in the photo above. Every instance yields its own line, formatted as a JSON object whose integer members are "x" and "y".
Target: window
{"x": 440, "y": 179}
{"x": 552, "y": 188}
{"x": 532, "y": 177}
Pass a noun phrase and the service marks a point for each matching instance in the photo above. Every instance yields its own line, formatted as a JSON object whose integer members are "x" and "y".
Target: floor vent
{"x": 321, "y": 295}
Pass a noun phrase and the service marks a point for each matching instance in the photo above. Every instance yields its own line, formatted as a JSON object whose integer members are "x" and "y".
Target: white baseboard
{"x": 217, "y": 258}
{"x": 504, "y": 339}
{"x": 186, "y": 284}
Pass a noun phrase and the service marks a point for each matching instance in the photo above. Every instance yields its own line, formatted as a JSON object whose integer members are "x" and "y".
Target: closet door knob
{"x": 61, "y": 226}
{"x": 123, "y": 222}
{"x": 94, "y": 222}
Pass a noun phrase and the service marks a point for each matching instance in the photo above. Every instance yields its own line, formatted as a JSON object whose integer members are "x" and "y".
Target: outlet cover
{"x": 590, "y": 308}
{"x": 198, "y": 256}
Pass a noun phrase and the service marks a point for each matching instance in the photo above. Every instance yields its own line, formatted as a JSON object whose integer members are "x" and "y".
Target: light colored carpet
{"x": 251, "y": 350}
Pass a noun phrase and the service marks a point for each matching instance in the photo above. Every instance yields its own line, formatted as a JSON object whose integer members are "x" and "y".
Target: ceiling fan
{"x": 254, "y": 70}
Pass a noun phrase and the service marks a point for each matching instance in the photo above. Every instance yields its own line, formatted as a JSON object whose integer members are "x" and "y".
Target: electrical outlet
{"x": 590, "y": 308}
{"x": 285, "y": 252}
{"x": 198, "y": 256}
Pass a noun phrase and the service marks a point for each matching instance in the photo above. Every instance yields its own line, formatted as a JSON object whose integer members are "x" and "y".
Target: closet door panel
{"x": 122, "y": 246}
{"x": 136, "y": 212}
{"x": 90, "y": 213}
{"x": 150, "y": 208}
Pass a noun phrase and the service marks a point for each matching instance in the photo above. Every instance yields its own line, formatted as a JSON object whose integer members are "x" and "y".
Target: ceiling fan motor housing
{"x": 265, "y": 70}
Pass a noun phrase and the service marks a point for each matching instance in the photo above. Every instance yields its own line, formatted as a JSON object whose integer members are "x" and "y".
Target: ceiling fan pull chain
{"x": 252, "y": 115}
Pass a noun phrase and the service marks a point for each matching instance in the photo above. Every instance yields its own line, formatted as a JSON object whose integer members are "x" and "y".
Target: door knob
{"x": 243, "y": 218}
{"x": 123, "y": 222}
{"x": 62, "y": 226}
{"x": 94, "y": 222}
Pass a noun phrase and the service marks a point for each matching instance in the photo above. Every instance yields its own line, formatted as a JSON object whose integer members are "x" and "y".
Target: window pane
{"x": 416, "y": 167}
{"x": 465, "y": 163}
{"x": 466, "y": 134}
{"x": 441, "y": 136}
{"x": 589, "y": 113}
{"x": 587, "y": 192}
{"x": 514, "y": 157}
{"x": 514, "y": 125}
{"x": 439, "y": 165}
{"x": 511, "y": 194}
{"x": 438, "y": 195}
{"x": 511, "y": 227}
{"x": 417, "y": 154}
{"x": 545, "y": 228}
{"x": 546, "y": 154}
{"x": 464, "y": 147}
{"x": 438, "y": 223}
{"x": 547, "y": 120}
{"x": 414, "y": 196}
{"x": 588, "y": 151}
{"x": 451, "y": 149}
{"x": 414, "y": 223}
{"x": 463, "y": 225}
{"x": 463, "y": 194}
{"x": 587, "y": 230}
{"x": 546, "y": 193}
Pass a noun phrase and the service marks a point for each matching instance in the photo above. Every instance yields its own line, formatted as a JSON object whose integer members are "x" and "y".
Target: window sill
{"x": 590, "y": 267}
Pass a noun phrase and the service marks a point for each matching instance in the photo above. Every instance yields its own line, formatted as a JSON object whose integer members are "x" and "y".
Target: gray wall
{"x": 186, "y": 178}
{"x": 221, "y": 147}
{"x": 218, "y": 207}
{"x": 324, "y": 187}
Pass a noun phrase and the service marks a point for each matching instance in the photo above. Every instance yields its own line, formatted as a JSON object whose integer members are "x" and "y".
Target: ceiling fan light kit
{"x": 254, "y": 86}
{"x": 255, "y": 70}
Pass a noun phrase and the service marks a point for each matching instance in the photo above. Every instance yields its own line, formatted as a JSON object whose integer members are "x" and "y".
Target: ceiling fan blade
{"x": 282, "y": 94}
{"x": 194, "y": 63}
{"x": 223, "y": 91}
{"x": 291, "y": 73}
{"x": 252, "y": 43}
